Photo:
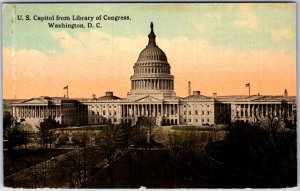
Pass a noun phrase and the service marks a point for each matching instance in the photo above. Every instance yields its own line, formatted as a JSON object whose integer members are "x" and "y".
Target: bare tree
{"x": 111, "y": 143}
{"x": 145, "y": 134}
{"x": 46, "y": 135}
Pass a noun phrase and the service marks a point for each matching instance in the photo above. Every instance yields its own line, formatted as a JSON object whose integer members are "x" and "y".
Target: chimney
{"x": 94, "y": 96}
{"x": 196, "y": 92}
{"x": 286, "y": 93}
{"x": 214, "y": 94}
{"x": 109, "y": 93}
{"x": 189, "y": 88}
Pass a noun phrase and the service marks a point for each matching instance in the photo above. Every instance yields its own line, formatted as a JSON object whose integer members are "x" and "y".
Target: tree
{"x": 183, "y": 146}
{"x": 16, "y": 138}
{"x": 7, "y": 122}
{"x": 144, "y": 131}
{"x": 80, "y": 161}
{"x": 111, "y": 143}
{"x": 263, "y": 150}
{"x": 46, "y": 135}
{"x": 128, "y": 134}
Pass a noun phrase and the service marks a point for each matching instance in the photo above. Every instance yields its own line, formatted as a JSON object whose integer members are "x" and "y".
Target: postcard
{"x": 149, "y": 95}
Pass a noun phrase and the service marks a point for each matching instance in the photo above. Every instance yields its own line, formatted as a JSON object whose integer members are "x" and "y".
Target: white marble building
{"x": 152, "y": 95}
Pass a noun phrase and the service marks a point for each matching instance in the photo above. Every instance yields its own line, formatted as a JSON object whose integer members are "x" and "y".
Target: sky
{"x": 219, "y": 47}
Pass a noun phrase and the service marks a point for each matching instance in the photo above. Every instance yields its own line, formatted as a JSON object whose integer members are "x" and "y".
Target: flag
{"x": 247, "y": 85}
{"x": 66, "y": 87}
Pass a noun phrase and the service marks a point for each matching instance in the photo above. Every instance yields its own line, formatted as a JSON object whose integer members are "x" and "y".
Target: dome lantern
{"x": 151, "y": 36}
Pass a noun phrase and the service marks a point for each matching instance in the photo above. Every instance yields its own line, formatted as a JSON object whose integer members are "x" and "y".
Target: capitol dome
{"x": 152, "y": 53}
{"x": 152, "y": 72}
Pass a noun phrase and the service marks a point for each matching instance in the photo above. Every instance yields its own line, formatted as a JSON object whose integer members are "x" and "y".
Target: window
{"x": 196, "y": 120}
{"x": 93, "y": 113}
{"x": 109, "y": 113}
{"x": 190, "y": 113}
{"x": 207, "y": 120}
{"x": 103, "y": 112}
{"x": 202, "y": 112}
{"x": 115, "y": 113}
{"x": 97, "y": 113}
{"x": 184, "y": 120}
{"x": 190, "y": 120}
{"x": 184, "y": 113}
{"x": 207, "y": 112}
{"x": 202, "y": 120}
{"x": 196, "y": 112}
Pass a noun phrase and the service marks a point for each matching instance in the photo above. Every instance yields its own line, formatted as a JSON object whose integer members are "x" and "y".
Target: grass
{"x": 83, "y": 128}
{"x": 197, "y": 128}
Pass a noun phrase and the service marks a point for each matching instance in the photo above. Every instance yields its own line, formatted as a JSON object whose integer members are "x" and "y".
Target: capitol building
{"x": 152, "y": 95}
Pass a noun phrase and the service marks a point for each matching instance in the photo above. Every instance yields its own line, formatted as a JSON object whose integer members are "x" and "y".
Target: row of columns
{"x": 144, "y": 70}
{"x": 260, "y": 110}
{"x": 152, "y": 84}
{"x": 36, "y": 111}
{"x": 149, "y": 110}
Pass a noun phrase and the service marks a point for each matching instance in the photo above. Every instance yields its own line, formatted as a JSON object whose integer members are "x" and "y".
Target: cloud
{"x": 247, "y": 19}
{"x": 95, "y": 62}
{"x": 282, "y": 34}
{"x": 198, "y": 26}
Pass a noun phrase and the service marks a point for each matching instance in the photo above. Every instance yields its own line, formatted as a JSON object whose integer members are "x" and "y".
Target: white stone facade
{"x": 152, "y": 95}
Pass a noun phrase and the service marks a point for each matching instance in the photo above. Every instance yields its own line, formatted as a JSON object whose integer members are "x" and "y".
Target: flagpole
{"x": 249, "y": 89}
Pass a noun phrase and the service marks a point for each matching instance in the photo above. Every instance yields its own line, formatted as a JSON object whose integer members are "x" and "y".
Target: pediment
{"x": 35, "y": 101}
{"x": 266, "y": 98}
{"x": 147, "y": 99}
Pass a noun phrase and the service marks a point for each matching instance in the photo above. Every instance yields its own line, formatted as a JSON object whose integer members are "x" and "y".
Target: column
{"x": 158, "y": 84}
{"x": 166, "y": 110}
{"x": 248, "y": 110}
